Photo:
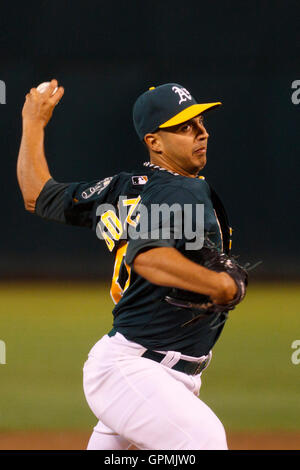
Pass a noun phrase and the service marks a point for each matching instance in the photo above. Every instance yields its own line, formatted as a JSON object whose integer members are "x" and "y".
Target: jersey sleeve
{"x": 50, "y": 202}
{"x": 73, "y": 203}
{"x": 177, "y": 210}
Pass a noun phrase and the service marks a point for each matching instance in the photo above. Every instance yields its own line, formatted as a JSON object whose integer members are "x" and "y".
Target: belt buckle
{"x": 200, "y": 367}
{"x": 194, "y": 368}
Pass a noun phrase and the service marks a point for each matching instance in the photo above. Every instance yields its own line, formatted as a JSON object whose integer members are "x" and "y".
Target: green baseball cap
{"x": 165, "y": 106}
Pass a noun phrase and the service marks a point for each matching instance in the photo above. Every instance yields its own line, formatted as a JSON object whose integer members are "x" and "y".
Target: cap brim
{"x": 189, "y": 113}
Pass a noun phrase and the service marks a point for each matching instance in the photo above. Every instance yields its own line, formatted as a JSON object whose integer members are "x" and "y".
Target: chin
{"x": 200, "y": 164}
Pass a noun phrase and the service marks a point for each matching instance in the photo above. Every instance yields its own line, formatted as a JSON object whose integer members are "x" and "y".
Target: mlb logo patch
{"x": 137, "y": 180}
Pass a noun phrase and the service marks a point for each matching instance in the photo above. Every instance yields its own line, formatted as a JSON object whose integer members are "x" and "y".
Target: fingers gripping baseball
{"x": 41, "y": 101}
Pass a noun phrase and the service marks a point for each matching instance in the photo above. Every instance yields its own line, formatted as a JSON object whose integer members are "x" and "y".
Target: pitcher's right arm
{"x": 32, "y": 167}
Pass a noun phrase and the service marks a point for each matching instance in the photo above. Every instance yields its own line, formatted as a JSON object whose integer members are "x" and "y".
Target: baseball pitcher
{"x": 174, "y": 281}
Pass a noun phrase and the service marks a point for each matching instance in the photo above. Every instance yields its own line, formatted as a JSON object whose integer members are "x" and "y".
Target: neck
{"x": 163, "y": 162}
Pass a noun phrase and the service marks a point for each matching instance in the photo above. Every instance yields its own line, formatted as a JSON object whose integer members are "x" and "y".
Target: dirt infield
{"x": 64, "y": 440}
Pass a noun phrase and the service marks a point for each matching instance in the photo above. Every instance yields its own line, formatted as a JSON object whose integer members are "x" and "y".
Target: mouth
{"x": 200, "y": 151}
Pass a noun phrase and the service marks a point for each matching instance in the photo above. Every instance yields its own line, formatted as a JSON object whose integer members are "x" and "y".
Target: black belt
{"x": 188, "y": 367}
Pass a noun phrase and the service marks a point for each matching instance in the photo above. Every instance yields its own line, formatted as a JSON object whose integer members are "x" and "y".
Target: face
{"x": 183, "y": 147}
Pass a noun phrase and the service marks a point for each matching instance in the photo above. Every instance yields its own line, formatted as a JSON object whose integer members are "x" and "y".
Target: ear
{"x": 153, "y": 142}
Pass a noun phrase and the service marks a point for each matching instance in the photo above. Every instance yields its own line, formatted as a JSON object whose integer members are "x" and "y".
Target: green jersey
{"x": 112, "y": 209}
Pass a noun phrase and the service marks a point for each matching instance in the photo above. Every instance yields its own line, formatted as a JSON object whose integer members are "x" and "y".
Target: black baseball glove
{"x": 211, "y": 258}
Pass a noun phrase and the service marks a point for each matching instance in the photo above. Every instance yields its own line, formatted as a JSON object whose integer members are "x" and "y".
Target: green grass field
{"x": 48, "y": 330}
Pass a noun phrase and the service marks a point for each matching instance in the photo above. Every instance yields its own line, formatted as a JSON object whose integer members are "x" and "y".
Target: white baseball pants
{"x": 145, "y": 403}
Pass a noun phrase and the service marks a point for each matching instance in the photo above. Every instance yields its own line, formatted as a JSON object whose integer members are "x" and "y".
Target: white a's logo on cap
{"x": 183, "y": 93}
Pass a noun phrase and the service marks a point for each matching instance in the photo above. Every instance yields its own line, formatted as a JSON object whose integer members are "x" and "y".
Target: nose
{"x": 202, "y": 133}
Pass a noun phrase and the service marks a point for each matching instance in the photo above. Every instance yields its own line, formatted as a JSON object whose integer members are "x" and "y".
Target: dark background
{"x": 245, "y": 54}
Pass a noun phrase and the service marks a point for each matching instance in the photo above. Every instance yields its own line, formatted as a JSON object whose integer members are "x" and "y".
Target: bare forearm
{"x": 32, "y": 168}
{"x": 168, "y": 267}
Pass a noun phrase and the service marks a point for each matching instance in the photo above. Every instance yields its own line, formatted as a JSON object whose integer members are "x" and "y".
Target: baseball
{"x": 43, "y": 87}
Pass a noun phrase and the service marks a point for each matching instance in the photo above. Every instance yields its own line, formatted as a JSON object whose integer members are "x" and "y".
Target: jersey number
{"x": 113, "y": 225}
{"x": 121, "y": 275}
{"x": 114, "y": 229}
